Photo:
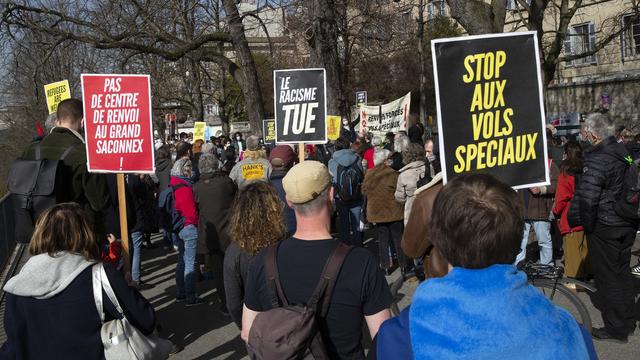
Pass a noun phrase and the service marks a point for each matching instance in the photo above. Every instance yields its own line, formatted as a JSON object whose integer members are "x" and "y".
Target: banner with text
{"x": 56, "y": 92}
{"x": 490, "y": 109}
{"x": 269, "y": 131}
{"x": 300, "y": 106}
{"x": 118, "y": 128}
{"x": 393, "y": 116}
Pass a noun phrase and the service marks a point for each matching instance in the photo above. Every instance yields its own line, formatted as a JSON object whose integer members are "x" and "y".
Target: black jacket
{"x": 214, "y": 194}
{"x": 67, "y": 325}
{"x": 163, "y": 172}
{"x": 601, "y": 184}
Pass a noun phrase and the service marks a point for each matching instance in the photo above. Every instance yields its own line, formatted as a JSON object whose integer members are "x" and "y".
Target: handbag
{"x": 120, "y": 339}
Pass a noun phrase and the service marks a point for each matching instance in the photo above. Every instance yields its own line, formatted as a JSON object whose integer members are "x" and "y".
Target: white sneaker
{"x": 635, "y": 271}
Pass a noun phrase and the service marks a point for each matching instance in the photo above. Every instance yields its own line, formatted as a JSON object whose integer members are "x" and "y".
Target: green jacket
{"x": 87, "y": 189}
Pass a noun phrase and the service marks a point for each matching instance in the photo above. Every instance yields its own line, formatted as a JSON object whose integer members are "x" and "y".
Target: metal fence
{"x": 7, "y": 230}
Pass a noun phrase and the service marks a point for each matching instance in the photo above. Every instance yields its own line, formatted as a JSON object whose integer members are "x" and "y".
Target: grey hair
{"x": 207, "y": 148}
{"x": 600, "y": 125}
{"x": 380, "y": 156}
{"x": 314, "y": 206}
{"x": 400, "y": 143}
{"x": 182, "y": 167}
{"x": 413, "y": 152}
{"x": 207, "y": 163}
{"x": 376, "y": 141}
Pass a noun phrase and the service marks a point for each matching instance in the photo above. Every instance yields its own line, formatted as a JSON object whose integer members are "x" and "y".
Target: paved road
{"x": 207, "y": 334}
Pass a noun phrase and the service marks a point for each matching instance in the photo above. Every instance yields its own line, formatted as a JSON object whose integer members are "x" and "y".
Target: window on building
{"x": 580, "y": 39}
{"x": 631, "y": 36}
{"x": 436, "y": 8}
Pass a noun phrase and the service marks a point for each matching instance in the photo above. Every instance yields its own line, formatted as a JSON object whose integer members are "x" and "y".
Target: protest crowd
{"x": 283, "y": 242}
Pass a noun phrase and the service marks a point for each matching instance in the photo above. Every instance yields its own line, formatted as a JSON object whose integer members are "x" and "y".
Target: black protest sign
{"x": 269, "y": 131}
{"x": 300, "y": 106}
{"x": 490, "y": 110}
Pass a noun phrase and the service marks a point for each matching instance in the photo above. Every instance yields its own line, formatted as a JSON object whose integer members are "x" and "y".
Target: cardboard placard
{"x": 269, "y": 131}
{"x": 55, "y": 93}
{"x": 490, "y": 107}
{"x": 118, "y": 128}
{"x": 333, "y": 127}
{"x": 300, "y": 106}
{"x": 393, "y": 116}
{"x": 199, "y": 128}
{"x": 361, "y": 98}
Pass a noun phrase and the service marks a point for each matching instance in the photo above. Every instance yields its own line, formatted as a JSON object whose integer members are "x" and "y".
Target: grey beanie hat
{"x": 207, "y": 164}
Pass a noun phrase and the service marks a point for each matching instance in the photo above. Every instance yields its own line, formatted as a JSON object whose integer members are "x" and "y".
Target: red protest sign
{"x": 118, "y": 130}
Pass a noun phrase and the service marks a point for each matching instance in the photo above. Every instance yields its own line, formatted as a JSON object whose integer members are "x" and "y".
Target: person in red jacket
{"x": 186, "y": 275}
{"x": 575, "y": 241}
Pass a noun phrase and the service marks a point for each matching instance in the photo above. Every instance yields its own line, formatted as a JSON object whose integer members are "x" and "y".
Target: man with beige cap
{"x": 360, "y": 288}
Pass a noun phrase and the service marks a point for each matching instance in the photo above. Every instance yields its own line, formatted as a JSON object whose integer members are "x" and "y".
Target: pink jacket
{"x": 185, "y": 202}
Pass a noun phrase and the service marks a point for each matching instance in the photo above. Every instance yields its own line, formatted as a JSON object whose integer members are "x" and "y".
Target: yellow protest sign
{"x": 253, "y": 172}
{"x": 198, "y": 130}
{"x": 55, "y": 93}
{"x": 333, "y": 127}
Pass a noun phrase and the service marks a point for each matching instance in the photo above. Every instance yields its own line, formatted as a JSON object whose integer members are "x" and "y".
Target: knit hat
{"x": 306, "y": 181}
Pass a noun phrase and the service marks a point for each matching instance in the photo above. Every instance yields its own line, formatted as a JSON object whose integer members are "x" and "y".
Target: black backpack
{"x": 33, "y": 187}
{"x": 627, "y": 205}
{"x": 171, "y": 219}
{"x": 288, "y": 332}
{"x": 349, "y": 181}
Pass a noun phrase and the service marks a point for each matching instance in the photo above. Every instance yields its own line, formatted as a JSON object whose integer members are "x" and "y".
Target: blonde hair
{"x": 256, "y": 219}
{"x": 64, "y": 227}
{"x": 254, "y": 154}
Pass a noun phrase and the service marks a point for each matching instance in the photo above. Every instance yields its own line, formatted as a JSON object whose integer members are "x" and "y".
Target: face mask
{"x": 431, "y": 158}
{"x": 238, "y": 138}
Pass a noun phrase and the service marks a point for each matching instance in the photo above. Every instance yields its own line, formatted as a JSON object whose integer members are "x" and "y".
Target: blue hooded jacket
{"x": 346, "y": 158}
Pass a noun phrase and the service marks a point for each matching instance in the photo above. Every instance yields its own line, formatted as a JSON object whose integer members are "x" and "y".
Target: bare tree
{"x": 168, "y": 29}
{"x": 481, "y": 17}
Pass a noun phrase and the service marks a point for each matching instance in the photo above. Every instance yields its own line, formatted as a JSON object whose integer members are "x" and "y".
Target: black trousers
{"x": 389, "y": 237}
{"x": 610, "y": 258}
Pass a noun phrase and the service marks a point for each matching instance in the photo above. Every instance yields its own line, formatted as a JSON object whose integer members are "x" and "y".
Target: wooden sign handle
{"x": 124, "y": 231}
{"x": 301, "y": 151}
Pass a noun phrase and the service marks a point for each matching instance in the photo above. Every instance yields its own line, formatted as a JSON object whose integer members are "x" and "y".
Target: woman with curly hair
{"x": 256, "y": 222}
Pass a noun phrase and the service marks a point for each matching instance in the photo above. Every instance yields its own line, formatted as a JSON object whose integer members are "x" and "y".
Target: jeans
{"x": 136, "y": 239}
{"x": 543, "y": 234}
{"x": 389, "y": 236}
{"x": 610, "y": 258}
{"x": 186, "y": 266}
{"x": 349, "y": 222}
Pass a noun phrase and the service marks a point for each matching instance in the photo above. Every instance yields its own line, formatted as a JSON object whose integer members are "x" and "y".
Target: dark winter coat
{"x": 214, "y": 194}
{"x": 163, "y": 172}
{"x": 601, "y": 184}
{"x": 236, "y": 266}
{"x": 87, "y": 189}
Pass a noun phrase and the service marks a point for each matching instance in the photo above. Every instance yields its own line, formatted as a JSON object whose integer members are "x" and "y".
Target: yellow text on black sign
{"x": 492, "y": 118}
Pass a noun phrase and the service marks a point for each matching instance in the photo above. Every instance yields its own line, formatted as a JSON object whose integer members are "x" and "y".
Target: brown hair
{"x": 256, "y": 217}
{"x": 477, "y": 222}
{"x": 197, "y": 146}
{"x": 69, "y": 110}
{"x": 574, "y": 161}
{"x": 413, "y": 152}
{"x": 64, "y": 227}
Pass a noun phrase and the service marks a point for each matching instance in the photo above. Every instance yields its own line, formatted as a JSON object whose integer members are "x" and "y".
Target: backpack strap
{"x": 38, "y": 150}
{"x": 176, "y": 187}
{"x": 66, "y": 151}
{"x": 273, "y": 278}
{"x": 324, "y": 290}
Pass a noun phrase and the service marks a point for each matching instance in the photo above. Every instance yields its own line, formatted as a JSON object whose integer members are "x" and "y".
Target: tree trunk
{"x": 423, "y": 67}
{"x": 324, "y": 53}
{"x": 479, "y": 17}
{"x": 250, "y": 86}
